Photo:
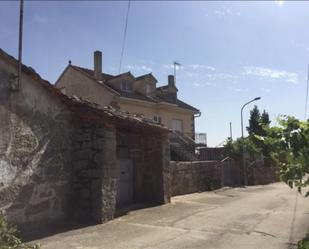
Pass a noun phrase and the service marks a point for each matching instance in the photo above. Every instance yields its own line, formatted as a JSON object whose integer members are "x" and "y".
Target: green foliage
{"x": 234, "y": 149}
{"x": 285, "y": 145}
{"x": 293, "y": 150}
{"x": 254, "y": 121}
{"x": 9, "y": 238}
{"x": 304, "y": 243}
{"x": 255, "y": 145}
{"x": 258, "y": 122}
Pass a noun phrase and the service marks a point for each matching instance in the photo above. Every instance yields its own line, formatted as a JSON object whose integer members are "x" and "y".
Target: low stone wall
{"x": 262, "y": 175}
{"x": 196, "y": 176}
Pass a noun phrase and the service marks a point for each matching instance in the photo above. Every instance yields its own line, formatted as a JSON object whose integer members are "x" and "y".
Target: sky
{"x": 231, "y": 52}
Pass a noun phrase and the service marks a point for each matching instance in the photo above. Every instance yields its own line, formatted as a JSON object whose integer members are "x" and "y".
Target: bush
{"x": 9, "y": 238}
{"x": 303, "y": 244}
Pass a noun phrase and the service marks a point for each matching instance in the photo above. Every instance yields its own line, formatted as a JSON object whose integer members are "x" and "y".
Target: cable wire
{"x": 124, "y": 36}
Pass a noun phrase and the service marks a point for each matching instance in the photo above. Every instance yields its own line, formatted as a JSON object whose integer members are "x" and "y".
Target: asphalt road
{"x": 259, "y": 217}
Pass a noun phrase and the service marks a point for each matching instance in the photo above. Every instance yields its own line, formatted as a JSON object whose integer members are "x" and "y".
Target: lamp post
{"x": 242, "y": 140}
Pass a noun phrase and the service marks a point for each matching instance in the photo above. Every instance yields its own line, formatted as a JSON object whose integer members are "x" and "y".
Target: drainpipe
{"x": 197, "y": 115}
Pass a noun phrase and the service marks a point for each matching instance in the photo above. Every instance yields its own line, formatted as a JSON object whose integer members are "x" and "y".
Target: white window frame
{"x": 157, "y": 119}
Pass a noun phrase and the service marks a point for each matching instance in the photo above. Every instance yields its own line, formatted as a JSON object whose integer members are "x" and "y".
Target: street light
{"x": 242, "y": 139}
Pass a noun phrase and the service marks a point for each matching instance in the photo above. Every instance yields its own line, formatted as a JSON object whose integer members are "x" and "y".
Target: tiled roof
{"x": 135, "y": 95}
{"x": 162, "y": 87}
{"x": 149, "y": 75}
{"x": 185, "y": 105}
{"x": 74, "y": 103}
{"x": 90, "y": 72}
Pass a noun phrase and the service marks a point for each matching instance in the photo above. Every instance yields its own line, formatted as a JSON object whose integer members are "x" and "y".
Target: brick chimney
{"x": 171, "y": 81}
{"x": 97, "y": 65}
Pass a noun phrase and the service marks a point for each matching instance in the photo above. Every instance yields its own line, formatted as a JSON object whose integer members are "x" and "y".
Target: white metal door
{"x": 125, "y": 182}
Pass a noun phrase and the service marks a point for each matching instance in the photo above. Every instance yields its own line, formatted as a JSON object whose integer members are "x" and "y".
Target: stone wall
{"x": 35, "y": 153}
{"x": 58, "y": 156}
{"x": 262, "y": 175}
{"x": 196, "y": 176}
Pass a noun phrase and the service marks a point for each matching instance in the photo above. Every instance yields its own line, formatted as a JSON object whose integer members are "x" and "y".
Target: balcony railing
{"x": 199, "y": 139}
{"x": 184, "y": 145}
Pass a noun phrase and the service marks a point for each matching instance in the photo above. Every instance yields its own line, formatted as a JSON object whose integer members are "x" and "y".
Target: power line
{"x": 124, "y": 36}
{"x": 20, "y": 42}
{"x": 306, "y": 102}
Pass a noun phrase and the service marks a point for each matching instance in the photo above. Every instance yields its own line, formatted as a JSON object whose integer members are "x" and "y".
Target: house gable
{"x": 75, "y": 82}
{"x": 146, "y": 85}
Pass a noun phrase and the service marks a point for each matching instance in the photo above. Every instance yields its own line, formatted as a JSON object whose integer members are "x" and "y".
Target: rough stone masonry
{"x": 58, "y": 159}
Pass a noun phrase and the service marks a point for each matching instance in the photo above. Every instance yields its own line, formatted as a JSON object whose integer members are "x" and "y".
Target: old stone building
{"x": 66, "y": 159}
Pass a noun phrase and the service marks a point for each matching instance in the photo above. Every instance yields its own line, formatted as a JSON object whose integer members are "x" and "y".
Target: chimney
{"x": 97, "y": 62}
{"x": 171, "y": 81}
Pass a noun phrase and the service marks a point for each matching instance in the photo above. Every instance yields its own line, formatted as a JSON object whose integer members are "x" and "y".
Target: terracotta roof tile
{"x": 75, "y": 102}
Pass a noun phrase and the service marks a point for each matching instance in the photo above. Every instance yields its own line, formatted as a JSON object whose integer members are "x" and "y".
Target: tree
{"x": 289, "y": 143}
{"x": 258, "y": 122}
{"x": 254, "y": 121}
{"x": 264, "y": 122}
{"x": 285, "y": 146}
{"x": 265, "y": 119}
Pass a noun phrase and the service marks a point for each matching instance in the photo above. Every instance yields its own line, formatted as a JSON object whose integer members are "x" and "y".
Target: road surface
{"x": 260, "y": 217}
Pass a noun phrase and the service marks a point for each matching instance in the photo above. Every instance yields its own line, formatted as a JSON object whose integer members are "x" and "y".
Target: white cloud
{"x": 225, "y": 11}
{"x": 241, "y": 89}
{"x": 267, "y": 73}
{"x": 267, "y": 90}
{"x": 40, "y": 19}
{"x": 204, "y": 84}
{"x": 143, "y": 68}
{"x": 171, "y": 66}
{"x": 220, "y": 13}
{"x": 200, "y": 66}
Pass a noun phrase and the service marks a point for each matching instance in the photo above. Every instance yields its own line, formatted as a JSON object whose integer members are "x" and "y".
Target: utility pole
{"x": 242, "y": 140}
{"x": 20, "y": 42}
{"x": 231, "y": 135}
{"x": 306, "y": 101}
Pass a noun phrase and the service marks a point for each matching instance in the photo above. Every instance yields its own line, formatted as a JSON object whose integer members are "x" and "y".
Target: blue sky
{"x": 231, "y": 52}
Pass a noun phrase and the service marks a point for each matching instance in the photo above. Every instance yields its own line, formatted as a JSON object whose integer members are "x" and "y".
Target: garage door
{"x": 125, "y": 182}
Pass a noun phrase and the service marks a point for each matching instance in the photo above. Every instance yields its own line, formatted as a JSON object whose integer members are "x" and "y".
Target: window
{"x": 157, "y": 119}
{"x": 126, "y": 86}
{"x": 177, "y": 125}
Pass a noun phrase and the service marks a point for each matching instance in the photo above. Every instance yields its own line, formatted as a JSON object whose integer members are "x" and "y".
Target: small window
{"x": 126, "y": 86}
{"x": 157, "y": 119}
